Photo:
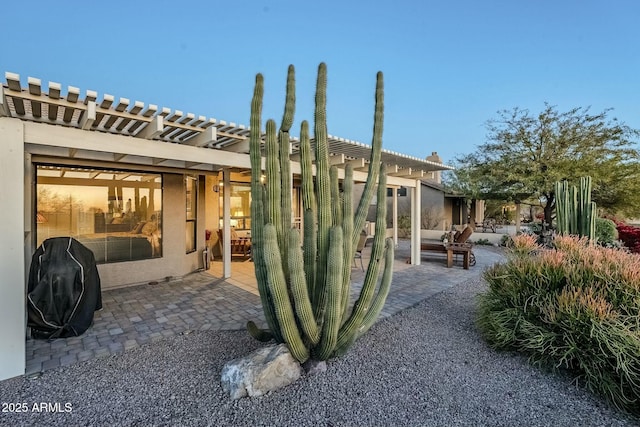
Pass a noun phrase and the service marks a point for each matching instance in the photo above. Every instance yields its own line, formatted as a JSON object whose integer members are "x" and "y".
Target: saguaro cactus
{"x": 575, "y": 212}
{"x": 305, "y": 289}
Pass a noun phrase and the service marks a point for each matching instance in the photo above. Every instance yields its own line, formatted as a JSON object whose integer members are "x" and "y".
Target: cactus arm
{"x": 284, "y": 144}
{"x": 347, "y": 230}
{"x": 333, "y": 316}
{"x": 560, "y": 218}
{"x": 588, "y": 209}
{"x": 290, "y": 100}
{"x": 299, "y": 290}
{"x": 573, "y": 211}
{"x": 259, "y": 334}
{"x": 336, "y": 205}
{"x": 378, "y": 303}
{"x": 323, "y": 191}
{"x": 592, "y": 224}
{"x": 374, "y": 162}
{"x": 363, "y": 304}
{"x": 257, "y": 208}
{"x": 286, "y": 187}
{"x": 383, "y": 291}
{"x": 273, "y": 178}
{"x": 278, "y": 287}
{"x": 309, "y": 208}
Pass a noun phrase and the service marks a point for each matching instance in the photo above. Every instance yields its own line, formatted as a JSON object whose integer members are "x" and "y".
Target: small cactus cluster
{"x": 575, "y": 212}
{"x": 304, "y": 283}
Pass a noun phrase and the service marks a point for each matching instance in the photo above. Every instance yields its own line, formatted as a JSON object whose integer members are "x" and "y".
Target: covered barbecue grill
{"x": 63, "y": 289}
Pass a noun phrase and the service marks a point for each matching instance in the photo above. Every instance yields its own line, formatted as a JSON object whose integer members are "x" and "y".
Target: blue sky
{"x": 449, "y": 66}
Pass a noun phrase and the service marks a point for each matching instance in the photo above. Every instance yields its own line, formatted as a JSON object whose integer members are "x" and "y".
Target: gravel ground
{"x": 426, "y": 366}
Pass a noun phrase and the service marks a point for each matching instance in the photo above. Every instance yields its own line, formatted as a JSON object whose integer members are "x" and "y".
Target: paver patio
{"x": 134, "y": 316}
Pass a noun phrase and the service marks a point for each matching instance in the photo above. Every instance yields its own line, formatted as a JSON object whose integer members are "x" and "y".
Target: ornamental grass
{"x": 574, "y": 307}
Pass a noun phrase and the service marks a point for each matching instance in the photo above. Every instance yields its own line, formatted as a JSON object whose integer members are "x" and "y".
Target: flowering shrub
{"x": 523, "y": 244}
{"x": 574, "y": 307}
{"x": 630, "y": 236}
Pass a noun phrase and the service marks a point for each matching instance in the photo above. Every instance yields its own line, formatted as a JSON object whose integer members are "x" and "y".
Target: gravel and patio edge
{"x": 425, "y": 366}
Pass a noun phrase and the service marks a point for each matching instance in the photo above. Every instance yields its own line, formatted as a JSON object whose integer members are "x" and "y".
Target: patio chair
{"x": 490, "y": 224}
{"x": 240, "y": 246}
{"x": 359, "y": 247}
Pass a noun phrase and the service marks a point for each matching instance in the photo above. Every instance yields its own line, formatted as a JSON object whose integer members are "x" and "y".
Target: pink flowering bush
{"x": 574, "y": 307}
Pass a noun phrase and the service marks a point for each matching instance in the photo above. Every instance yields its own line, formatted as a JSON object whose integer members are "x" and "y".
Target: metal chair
{"x": 359, "y": 247}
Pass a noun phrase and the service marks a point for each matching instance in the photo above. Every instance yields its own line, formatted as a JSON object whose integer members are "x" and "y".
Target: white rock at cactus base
{"x": 266, "y": 369}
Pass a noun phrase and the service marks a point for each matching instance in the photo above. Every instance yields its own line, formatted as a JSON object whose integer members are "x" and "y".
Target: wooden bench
{"x": 451, "y": 249}
{"x": 456, "y": 245}
{"x": 464, "y": 249}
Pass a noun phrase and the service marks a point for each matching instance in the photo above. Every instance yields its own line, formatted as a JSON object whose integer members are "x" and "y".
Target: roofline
{"x": 70, "y": 109}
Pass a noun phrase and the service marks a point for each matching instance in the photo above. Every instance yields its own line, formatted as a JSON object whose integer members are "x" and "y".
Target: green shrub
{"x": 606, "y": 232}
{"x": 404, "y": 226}
{"x": 574, "y": 307}
{"x": 484, "y": 242}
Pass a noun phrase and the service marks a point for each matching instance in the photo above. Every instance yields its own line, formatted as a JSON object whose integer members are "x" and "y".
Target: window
{"x": 240, "y": 206}
{"x": 191, "y": 192}
{"x": 402, "y": 192}
{"x": 115, "y": 213}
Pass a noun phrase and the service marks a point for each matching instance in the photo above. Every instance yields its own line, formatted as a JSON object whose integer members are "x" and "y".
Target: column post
{"x": 12, "y": 251}
{"x": 226, "y": 224}
{"x": 416, "y": 220}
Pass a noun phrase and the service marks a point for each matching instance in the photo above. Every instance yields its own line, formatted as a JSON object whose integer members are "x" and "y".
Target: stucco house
{"x": 440, "y": 209}
{"x": 136, "y": 183}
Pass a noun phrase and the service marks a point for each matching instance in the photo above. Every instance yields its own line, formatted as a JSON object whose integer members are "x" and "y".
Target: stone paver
{"x": 137, "y": 315}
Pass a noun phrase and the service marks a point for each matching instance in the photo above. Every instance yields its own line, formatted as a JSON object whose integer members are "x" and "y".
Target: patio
{"x": 134, "y": 316}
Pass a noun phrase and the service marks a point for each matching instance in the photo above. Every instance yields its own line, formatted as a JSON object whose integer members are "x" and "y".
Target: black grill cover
{"x": 63, "y": 290}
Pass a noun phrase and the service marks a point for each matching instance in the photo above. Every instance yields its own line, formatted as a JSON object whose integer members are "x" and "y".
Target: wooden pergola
{"x": 150, "y": 123}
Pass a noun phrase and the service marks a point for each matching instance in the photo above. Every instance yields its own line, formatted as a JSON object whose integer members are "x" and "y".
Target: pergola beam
{"x": 35, "y": 90}
{"x": 54, "y": 94}
{"x": 204, "y": 138}
{"x": 153, "y": 129}
{"x": 358, "y": 164}
{"x": 73, "y": 93}
{"x": 401, "y": 172}
{"x": 338, "y": 159}
{"x": 13, "y": 82}
{"x": 238, "y": 147}
{"x": 4, "y": 108}
{"x": 87, "y": 119}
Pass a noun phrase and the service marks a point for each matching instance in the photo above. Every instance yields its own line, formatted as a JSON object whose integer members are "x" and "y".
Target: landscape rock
{"x": 262, "y": 371}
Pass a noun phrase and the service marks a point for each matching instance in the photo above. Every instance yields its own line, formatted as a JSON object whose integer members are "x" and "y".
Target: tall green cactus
{"x": 575, "y": 212}
{"x": 305, "y": 289}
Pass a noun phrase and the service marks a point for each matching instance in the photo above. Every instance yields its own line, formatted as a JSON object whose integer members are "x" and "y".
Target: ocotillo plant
{"x": 575, "y": 212}
{"x": 305, "y": 286}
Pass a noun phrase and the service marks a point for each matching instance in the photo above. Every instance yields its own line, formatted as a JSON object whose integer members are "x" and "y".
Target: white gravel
{"x": 426, "y": 366}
